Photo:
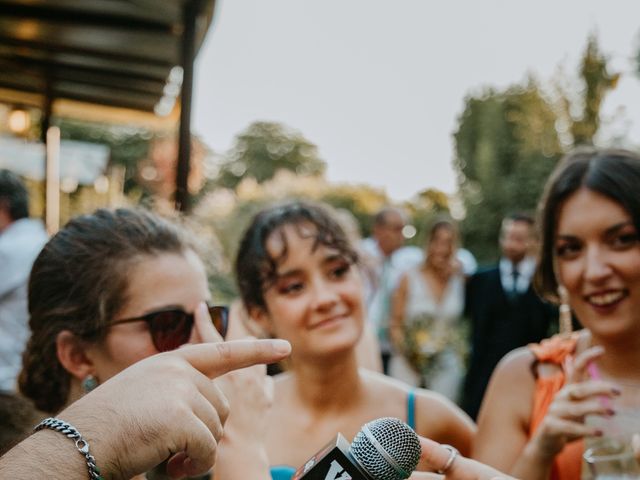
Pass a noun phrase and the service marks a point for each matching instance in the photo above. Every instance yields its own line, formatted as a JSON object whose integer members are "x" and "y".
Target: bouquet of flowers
{"x": 424, "y": 340}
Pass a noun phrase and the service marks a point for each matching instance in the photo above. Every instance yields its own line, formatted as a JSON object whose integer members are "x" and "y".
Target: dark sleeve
{"x": 474, "y": 312}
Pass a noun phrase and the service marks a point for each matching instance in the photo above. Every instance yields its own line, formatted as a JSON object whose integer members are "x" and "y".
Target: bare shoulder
{"x": 387, "y": 394}
{"x": 429, "y": 406}
{"x": 511, "y": 387}
{"x": 503, "y": 422}
{"x": 515, "y": 367}
{"x": 381, "y": 383}
{"x": 440, "y": 419}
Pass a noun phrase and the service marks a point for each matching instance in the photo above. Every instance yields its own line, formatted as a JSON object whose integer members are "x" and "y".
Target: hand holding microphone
{"x": 388, "y": 449}
{"x": 441, "y": 458}
{"x": 384, "y": 449}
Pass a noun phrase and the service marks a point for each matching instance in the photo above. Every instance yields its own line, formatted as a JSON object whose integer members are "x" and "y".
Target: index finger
{"x": 578, "y": 371}
{"x": 203, "y": 325}
{"x": 215, "y": 359}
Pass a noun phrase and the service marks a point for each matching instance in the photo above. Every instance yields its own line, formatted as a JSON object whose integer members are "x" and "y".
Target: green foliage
{"x": 506, "y": 146}
{"x": 360, "y": 200}
{"x": 263, "y": 149}
{"x": 597, "y": 82}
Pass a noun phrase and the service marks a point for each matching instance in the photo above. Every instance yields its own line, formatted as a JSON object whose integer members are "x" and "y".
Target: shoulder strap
{"x": 411, "y": 409}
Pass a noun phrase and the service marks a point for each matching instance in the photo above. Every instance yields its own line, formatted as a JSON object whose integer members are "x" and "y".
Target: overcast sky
{"x": 378, "y": 85}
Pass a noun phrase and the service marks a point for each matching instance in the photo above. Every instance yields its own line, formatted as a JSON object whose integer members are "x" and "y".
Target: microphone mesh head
{"x": 396, "y": 439}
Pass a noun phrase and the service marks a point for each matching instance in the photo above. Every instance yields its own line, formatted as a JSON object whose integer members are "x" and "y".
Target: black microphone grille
{"x": 387, "y": 449}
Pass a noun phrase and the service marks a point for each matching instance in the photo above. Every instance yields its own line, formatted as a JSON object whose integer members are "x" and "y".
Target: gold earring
{"x": 566, "y": 324}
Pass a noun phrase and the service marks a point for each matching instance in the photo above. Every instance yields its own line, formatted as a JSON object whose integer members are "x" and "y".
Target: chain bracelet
{"x": 81, "y": 444}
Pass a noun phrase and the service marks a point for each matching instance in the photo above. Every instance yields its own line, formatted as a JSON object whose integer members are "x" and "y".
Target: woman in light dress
{"x": 427, "y": 307}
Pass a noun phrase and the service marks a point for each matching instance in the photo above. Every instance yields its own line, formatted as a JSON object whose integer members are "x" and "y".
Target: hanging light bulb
{"x": 19, "y": 121}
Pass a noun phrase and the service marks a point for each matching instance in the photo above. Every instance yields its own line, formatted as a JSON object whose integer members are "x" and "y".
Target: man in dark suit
{"x": 504, "y": 310}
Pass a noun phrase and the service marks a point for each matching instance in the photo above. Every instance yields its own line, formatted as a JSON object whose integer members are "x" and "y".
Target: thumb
{"x": 461, "y": 468}
{"x": 215, "y": 359}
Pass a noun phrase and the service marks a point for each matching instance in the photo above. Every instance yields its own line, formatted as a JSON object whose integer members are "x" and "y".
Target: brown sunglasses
{"x": 171, "y": 328}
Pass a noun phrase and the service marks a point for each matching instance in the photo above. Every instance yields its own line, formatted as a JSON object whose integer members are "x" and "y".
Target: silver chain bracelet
{"x": 81, "y": 444}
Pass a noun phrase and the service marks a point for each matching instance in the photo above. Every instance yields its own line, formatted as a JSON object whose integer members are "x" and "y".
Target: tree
{"x": 507, "y": 143}
{"x": 263, "y": 149}
{"x": 506, "y": 146}
{"x": 583, "y": 114}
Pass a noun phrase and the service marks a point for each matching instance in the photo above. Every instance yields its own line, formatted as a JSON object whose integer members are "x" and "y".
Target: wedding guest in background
{"x": 385, "y": 247}
{"x": 426, "y": 314}
{"x": 21, "y": 239}
{"x": 505, "y": 311}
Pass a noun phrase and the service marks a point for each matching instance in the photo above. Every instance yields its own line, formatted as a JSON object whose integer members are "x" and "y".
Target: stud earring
{"x": 89, "y": 383}
{"x": 566, "y": 325}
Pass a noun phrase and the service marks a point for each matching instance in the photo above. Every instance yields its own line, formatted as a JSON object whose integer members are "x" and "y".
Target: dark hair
{"x": 612, "y": 173}
{"x": 381, "y": 217}
{"x": 14, "y": 194}
{"x": 521, "y": 217}
{"x": 256, "y": 269}
{"x": 441, "y": 223}
{"x": 78, "y": 283}
{"x": 17, "y": 419}
{"x": 518, "y": 217}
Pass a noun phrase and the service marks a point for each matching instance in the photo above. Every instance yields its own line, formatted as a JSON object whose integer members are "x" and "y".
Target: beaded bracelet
{"x": 81, "y": 444}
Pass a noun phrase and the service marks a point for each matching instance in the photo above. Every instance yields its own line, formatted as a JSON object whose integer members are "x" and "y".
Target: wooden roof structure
{"x": 131, "y": 54}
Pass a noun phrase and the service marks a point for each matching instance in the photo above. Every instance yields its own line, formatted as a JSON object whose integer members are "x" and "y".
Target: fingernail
{"x": 281, "y": 346}
{"x": 616, "y": 391}
{"x": 611, "y": 412}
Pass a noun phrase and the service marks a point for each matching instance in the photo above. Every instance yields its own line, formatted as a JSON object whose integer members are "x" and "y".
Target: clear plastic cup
{"x": 611, "y": 457}
{"x": 612, "y": 461}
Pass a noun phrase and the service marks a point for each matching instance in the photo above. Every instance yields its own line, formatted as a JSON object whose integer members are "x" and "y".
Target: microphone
{"x": 384, "y": 449}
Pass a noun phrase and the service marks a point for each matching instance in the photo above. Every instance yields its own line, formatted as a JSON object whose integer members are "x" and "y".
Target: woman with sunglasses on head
{"x": 111, "y": 289}
{"x": 299, "y": 280}
{"x": 532, "y": 422}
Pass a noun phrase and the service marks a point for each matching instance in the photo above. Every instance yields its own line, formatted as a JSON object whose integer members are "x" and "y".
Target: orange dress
{"x": 568, "y": 463}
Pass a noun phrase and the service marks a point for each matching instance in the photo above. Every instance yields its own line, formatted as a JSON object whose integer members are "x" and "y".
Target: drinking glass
{"x": 610, "y": 457}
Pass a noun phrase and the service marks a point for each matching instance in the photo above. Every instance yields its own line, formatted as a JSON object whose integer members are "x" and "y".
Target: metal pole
{"x": 45, "y": 122}
{"x": 182, "y": 200}
{"x": 52, "y": 181}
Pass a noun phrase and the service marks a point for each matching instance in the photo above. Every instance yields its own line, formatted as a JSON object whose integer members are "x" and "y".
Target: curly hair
{"x": 78, "y": 283}
{"x": 256, "y": 269}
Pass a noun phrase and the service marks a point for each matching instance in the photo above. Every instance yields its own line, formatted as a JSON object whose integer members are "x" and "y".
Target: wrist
{"x": 81, "y": 444}
{"x": 231, "y": 461}
{"x": 44, "y": 454}
{"x": 96, "y": 435}
{"x": 537, "y": 450}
